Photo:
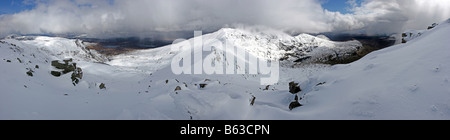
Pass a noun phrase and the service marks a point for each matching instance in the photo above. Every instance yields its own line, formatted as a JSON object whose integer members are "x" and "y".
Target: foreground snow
{"x": 407, "y": 81}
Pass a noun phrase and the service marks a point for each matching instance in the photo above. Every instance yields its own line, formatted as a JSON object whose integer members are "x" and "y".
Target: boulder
{"x": 177, "y": 88}
{"x": 252, "y": 101}
{"x": 102, "y": 86}
{"x": 55, "y": 73}
{"x": 30, "y": 73}
{"x": 294, "y": 104}
{"x": 203, "y": 85}
{"x": 294, "y": 88}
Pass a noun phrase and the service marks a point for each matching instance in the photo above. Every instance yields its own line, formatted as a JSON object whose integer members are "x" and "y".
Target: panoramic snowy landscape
{"x": 353, "y": 67}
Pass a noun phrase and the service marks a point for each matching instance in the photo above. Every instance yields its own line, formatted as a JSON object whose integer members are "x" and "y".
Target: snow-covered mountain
{"x": 267, "y": 44}
{"x": 406, "y": 81}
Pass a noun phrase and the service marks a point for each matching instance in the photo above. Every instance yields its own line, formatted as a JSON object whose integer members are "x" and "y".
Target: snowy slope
{"x": 412, "y": 34}
{"x": 407, "y": 81}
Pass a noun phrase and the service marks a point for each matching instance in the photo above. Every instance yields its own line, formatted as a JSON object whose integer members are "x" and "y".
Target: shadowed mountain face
{"x": 369, "y": 44}
{"x": 115, "y": 46}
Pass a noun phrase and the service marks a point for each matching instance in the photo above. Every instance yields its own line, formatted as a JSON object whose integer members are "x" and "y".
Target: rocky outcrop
{"x": 67, "y": 67}
{"x": 412, "y": 34}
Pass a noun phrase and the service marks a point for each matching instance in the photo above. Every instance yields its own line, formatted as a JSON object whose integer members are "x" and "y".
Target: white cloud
{"x": 102, "y": 17}
{"x": 393, "y": 16}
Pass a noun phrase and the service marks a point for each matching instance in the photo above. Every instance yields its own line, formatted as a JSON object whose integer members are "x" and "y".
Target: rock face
{"x": 294, "y": 88}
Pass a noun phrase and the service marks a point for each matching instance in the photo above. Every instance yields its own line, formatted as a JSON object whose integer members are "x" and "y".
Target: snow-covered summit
{"x": 279, "y": 45}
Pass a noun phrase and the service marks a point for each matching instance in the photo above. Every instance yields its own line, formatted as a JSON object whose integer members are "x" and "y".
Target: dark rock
{"x": 432, "y": 26}
{"x": 55, "y": 73}
{"x": 167, "y": 81}
{"x": 9, "y": 61}
{"x": 177, "y": 88}
{"x": 294, "y": 104}
{"x": 77, "y": 75}
{"x": 252, "y": 101}
{"x": 267, "y": 87}
{"x": 294, "y": 88}
{"x": 102, "y": 86}
{"x": 18, "y": 59}
{"x": 319, "y": 84}
{"x": 203, "y": 85}
{"x": 404, "y": 35}
{"x": 296, "y": 98}
{"x": 37, "y": 66}
{"x": 65, "y": 67}
{"x": 404, "y": 41}
{"x": 30, "y": 73}
{"x": 68, "y": 60}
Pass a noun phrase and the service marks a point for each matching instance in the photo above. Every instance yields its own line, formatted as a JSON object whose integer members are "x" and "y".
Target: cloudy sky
{"x": 103, "y": 17}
